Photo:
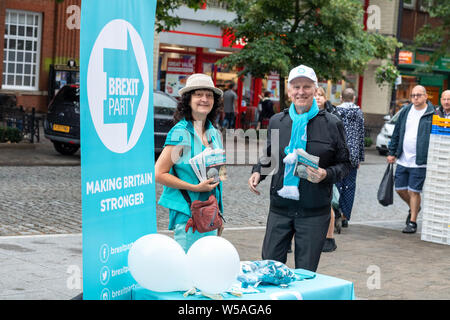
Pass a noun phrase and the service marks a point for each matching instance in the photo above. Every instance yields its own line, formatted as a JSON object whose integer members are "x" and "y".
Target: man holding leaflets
{"x": 301, "y": 189}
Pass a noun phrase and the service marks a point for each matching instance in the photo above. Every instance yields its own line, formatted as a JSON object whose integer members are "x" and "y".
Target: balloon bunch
{"x": 158, "y": 263}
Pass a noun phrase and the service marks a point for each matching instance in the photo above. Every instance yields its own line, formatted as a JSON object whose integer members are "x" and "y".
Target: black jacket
{"x": 440, "y": 111}
{"x": 423, "y": 133}
{"x": 326, "y": 139}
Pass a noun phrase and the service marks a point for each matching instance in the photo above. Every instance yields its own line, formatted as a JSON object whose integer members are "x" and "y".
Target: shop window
{"x": 21, "y": 50}
{"x": 404, "y": 90}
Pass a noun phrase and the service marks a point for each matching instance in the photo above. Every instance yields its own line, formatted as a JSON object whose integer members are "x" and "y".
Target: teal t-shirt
{"x": 183, "y": 134}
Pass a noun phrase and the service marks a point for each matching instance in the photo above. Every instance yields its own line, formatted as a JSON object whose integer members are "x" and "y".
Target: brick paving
{"x": 47, "y": 199}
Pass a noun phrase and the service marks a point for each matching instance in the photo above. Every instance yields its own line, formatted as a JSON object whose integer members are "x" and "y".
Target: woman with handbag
{"x": 193, "y": 131}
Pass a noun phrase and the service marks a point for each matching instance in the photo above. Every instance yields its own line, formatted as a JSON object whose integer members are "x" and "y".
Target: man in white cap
{"x": 300, "y": 207}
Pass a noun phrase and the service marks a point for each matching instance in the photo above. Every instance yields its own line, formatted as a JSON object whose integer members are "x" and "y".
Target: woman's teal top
{"x": 183, "y": 134}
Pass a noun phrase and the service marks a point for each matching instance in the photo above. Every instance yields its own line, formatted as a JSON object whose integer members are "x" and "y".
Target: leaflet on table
{"x": 305, "y": 159}
{"x": 209, "y": 164}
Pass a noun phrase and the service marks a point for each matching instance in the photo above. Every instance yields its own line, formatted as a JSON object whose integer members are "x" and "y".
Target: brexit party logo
{"x": 118, "y": 86}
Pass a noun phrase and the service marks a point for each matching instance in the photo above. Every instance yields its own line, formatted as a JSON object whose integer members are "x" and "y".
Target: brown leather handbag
{"x": 205, "y": 215}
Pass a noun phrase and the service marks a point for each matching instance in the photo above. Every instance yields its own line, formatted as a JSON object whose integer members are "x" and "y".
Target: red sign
{"x": 229, "y": 40}
{"x": 405, "y": 57}
{"x": 180, "y": 66}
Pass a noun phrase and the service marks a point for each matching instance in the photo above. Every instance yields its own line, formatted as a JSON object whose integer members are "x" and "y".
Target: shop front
{"x": 434, "y": 82}
{"x": 182, "y": 53}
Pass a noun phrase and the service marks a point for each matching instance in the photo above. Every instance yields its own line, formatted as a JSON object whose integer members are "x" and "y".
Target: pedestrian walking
{"x": 353, "y": 120}
{"x": 230, "y": 106}
{"x": 443, "y": 110}
{"x": 409, "y": 148}
{"x": 193, "y": 132}
{"x": 300, "y": 208}
{"x": 266, "y": 111}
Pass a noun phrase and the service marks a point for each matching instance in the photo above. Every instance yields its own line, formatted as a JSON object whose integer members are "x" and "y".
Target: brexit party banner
{"x": 117, "y": 142}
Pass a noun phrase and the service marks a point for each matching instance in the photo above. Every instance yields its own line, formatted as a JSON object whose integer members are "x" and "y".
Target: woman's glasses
{"x": 198, "y": 95}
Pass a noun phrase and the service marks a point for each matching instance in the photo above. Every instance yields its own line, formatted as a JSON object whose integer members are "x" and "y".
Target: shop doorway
{"x": 433, "y": 94}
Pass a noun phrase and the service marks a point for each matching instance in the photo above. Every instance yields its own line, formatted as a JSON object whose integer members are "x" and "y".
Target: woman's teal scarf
{"x": 298, "y": 141}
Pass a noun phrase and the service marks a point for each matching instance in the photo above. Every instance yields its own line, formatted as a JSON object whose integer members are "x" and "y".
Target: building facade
{"x": 413, "y": 17}
{"x": 42, "y": 36}
{"x": 35, "y": 36}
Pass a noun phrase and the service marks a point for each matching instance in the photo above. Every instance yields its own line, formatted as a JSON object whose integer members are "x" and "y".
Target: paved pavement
{"x": 40, "y": 231}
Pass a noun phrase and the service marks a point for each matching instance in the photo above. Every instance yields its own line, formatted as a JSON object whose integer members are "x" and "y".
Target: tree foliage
{"x": 165, "y": 19}
{"x": 437, "y": 37}
{"x": 327, "y": 35}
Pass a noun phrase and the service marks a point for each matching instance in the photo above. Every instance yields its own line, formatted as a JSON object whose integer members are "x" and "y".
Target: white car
{"x": 384, "y": 137}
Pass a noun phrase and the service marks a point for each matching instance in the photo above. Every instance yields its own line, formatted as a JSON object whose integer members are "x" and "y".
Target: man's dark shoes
{"x": 338, "y": 224}
{"x": 411, "y": 227}
{"x": 344, "y": 223}
{"x": 329, "y": 245}
{"x": 408, "y": 218}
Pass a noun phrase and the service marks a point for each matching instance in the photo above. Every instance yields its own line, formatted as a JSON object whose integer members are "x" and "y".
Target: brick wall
{"x": 58, "y": 44}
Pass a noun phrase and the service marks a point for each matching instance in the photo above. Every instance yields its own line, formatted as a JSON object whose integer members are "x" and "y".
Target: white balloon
{"x": 158, "y": 263}
{"x": 213, "y": 264}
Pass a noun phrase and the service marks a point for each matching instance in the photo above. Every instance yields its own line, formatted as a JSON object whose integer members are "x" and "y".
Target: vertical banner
{"x": 117, "y": 146}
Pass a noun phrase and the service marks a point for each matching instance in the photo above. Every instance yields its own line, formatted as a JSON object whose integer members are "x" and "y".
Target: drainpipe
{"x": 361, "y": 78}
{"x": 397, "y": 50}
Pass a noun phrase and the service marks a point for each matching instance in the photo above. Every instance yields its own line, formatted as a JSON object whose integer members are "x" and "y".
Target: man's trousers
{"x": 309, "y": 236}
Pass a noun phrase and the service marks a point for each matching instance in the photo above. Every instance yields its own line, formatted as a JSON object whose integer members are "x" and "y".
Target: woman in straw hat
{"x": 193, "y": 131}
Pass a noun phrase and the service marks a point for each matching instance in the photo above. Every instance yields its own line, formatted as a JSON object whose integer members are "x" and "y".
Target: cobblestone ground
{"x": 47, "y": 200}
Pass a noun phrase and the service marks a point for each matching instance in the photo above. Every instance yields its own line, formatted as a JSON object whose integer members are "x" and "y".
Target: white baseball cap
{"x": 303, "y": 71}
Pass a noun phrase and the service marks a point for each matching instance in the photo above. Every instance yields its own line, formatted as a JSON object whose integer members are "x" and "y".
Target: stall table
{"x": 313, "y": 286}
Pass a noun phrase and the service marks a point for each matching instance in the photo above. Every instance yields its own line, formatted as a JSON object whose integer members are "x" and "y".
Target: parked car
{"x": 62, "y": 125}
{"x": 164, "y": 107}
{"x": 384, "y": 137}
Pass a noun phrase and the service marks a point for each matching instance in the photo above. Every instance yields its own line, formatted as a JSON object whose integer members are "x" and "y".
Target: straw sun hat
{"x": 199, "y": 81}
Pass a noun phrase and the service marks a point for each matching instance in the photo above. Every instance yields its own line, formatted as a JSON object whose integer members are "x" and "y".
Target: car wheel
{"x": 382, "y": 152}
{"x": 66, "y": 149}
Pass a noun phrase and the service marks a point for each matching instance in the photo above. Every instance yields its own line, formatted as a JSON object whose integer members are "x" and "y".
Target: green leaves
{"x": 165, "y": 18}
{"x": 435, "y": 36}
{"x": 326, "y": 35}
{"x": 386, "y": 74}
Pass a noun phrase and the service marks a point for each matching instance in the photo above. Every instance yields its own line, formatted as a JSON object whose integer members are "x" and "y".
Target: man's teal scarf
{"x": 298, "y": 141}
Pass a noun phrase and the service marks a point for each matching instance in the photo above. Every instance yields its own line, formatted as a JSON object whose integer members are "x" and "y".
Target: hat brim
{"x": 302, "y": 76}
{"x": 191, "y": 88}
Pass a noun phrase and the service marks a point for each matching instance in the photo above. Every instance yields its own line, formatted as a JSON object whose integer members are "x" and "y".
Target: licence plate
{"x": 61, "y": 128}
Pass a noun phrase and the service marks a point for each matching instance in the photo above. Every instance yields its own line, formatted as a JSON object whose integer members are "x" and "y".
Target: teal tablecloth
{"x": 314, "y": 286}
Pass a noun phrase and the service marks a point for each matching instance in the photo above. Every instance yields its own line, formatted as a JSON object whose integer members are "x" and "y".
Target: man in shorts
{"x": 409, "y": 146}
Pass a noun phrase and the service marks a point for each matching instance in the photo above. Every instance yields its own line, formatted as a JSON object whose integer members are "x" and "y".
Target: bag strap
{"x": 183, "y": 192}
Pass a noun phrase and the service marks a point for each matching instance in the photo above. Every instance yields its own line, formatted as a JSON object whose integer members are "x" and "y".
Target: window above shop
{"x": 21, "y": 50}
{"x": 216, "y": 4}
{"x": 409, "y": 4}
